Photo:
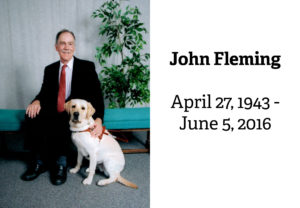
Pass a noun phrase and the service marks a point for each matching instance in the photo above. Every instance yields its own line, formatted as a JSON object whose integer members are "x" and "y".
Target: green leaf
{"x": 120, "y": 32}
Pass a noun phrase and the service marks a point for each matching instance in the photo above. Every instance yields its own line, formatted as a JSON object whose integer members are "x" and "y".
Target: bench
{"x": 115, "y": 120}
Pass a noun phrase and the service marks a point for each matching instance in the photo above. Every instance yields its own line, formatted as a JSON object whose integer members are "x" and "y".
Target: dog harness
{"x": 90, "y": 130}
{"x": 101, "y": 135}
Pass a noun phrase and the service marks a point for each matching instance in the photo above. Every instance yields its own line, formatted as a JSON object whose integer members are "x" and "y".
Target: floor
{"x": 41, "y": 193}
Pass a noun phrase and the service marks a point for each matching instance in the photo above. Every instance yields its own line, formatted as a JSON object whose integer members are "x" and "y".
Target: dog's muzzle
{"x": 75, "y": 116}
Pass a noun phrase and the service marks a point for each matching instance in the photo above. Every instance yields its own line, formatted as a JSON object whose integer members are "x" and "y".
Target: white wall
{"x": 28, "y": 29}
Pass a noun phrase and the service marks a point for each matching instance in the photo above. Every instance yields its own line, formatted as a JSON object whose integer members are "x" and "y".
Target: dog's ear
{"x": 90, "y": 110}
{"x": 67, "y": 106}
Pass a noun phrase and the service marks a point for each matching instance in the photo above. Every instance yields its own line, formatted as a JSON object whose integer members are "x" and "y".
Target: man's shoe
{"x": 33, "y": 171}
{"x": 59, "y": 175}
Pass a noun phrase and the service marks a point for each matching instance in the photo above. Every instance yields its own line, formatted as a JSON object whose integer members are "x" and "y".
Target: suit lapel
{"x": 56, "y": 77}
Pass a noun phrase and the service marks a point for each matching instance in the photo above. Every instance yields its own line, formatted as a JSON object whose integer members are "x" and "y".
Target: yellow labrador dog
{"x": 106, "y": 152}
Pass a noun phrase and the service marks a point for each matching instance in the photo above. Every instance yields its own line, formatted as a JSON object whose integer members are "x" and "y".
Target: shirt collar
{"x": 69, "y": 64}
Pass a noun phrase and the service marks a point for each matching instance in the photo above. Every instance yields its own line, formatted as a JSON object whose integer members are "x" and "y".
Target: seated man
{"x": 46, "y": 122}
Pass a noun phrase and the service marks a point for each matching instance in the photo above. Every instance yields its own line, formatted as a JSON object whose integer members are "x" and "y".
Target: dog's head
{"x": 79, "y": 110}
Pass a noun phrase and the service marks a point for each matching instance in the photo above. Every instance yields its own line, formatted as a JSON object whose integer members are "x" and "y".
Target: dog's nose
{"x": 76, "y": 114}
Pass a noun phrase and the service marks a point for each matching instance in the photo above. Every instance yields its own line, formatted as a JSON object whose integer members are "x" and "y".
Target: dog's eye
{"x": 73, "y": 106}
{"x": 83, "y": 108}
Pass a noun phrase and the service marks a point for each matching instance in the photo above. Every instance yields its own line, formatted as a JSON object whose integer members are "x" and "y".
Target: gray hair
{"x": 63, "y": 31}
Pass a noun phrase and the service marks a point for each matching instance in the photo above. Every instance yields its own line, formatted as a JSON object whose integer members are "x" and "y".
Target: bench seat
{"x": 10, "y": 120}
{"x": 115, "y": 120}
{"x": 127, "y": 118}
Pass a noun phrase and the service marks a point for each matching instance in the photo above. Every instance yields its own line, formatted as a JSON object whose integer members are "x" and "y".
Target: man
{"x": 46, "y": 122}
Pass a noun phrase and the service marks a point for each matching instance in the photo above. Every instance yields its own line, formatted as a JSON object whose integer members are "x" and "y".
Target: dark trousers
{"x": 48, "y": 137}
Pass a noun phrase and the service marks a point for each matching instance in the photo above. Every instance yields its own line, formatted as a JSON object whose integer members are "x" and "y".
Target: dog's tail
{"x": 125, "y": 182}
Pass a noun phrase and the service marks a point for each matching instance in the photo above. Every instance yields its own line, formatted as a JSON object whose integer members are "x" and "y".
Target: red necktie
{"x": 62, "y": 90}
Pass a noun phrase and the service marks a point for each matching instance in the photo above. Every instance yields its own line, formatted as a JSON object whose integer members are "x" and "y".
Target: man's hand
{"x": 97, "y": 128}
{"x": 33, "y": 109}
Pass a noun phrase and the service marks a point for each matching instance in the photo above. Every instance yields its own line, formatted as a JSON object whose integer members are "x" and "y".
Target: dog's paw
{"x": 87, "y": 181}
{"x": 101, "y": 183}
{"x": 74, "y": 170}
{"x": 87, "y": 170}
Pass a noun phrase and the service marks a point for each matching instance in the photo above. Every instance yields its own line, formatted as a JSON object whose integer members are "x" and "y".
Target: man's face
{"x": 65, "y": 47}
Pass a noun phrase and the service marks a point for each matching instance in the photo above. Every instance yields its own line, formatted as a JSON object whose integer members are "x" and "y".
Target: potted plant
{"x": 126, "y": 82}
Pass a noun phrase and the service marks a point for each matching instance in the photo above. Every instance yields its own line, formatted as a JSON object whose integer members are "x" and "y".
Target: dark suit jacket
{"x": 85, "y": 85}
